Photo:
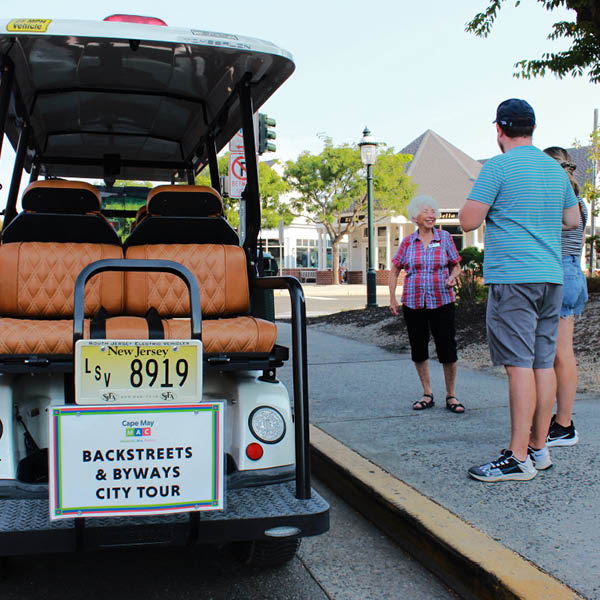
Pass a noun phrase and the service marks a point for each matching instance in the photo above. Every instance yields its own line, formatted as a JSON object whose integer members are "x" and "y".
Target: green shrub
{"x": 593, "y": 284}
{"x": 470, "y": 288}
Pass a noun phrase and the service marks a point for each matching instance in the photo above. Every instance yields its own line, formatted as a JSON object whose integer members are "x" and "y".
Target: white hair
{"x": 419, "y": 202}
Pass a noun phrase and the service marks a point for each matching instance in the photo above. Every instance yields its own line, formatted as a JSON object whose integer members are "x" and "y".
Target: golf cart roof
{"x": 131, "y": 101}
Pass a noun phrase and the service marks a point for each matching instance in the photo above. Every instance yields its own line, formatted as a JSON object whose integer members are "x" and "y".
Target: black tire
{"x": 3, "y": 568}
{"x": 266, "y": 553}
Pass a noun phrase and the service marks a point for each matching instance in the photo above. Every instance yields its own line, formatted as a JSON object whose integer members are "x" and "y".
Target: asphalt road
{"x": 353, "y": 561}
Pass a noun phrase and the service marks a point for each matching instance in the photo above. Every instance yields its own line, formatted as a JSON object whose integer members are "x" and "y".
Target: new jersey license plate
{"x": 138, "y": 371}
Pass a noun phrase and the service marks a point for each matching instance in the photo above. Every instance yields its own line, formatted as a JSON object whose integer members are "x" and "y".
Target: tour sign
{"x": 138, "y": 371}
{"x": 135, "y": 460}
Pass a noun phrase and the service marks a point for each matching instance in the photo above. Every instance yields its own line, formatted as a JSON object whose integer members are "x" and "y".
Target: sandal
{"x": 455, "y": 407}
{"x": 423, "y": 404}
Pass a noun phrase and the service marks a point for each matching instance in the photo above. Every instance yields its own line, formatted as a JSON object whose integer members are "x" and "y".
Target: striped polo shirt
{"x": 527, "y": 192}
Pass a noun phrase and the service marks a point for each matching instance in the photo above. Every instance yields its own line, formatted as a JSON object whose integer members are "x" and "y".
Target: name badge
{"x": 434, "y": 245}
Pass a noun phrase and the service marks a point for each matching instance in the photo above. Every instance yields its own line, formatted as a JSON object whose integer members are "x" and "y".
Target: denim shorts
{"x": 574, "y": 287}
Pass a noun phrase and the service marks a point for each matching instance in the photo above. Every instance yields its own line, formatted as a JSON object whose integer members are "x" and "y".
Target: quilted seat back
{"x": 220, "y": 270}
{"x": 38, "y": 279}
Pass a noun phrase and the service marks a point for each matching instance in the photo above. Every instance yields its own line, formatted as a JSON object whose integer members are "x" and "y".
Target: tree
{"x": 331, "y": 189}
{"x": 584, "y": 33}
{"x": 591, "y": 192}
{"x": 271, "y": 186}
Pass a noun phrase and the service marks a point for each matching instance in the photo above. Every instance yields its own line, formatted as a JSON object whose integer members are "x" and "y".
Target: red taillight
{"x": 136, "y": 19}
{"x": 254, "y": 451}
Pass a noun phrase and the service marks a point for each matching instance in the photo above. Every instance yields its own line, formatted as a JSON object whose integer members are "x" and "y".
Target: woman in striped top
{"x": 562, "y": 430}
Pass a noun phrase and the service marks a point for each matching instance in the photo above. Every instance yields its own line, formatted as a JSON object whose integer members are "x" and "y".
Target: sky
{"x": 398, "y": 67}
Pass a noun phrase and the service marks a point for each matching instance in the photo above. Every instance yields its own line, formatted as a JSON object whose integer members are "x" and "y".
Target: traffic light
{"x": 265, "y": 134}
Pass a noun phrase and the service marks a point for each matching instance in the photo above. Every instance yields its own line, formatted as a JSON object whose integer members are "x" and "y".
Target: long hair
{"x": 562, "y": 156}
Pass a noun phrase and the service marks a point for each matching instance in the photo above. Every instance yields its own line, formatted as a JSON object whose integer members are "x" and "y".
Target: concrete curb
{"x": 469, "y": 561}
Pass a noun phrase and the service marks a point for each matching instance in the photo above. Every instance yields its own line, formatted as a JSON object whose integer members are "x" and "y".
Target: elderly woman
{"x": 431, "y": 262}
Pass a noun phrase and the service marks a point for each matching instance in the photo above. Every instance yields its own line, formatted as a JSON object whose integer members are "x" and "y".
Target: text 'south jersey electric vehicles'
{"x": 139, "y": 402}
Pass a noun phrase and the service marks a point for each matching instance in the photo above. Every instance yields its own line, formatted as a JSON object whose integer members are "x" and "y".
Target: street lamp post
{"x": 368, "y": 156}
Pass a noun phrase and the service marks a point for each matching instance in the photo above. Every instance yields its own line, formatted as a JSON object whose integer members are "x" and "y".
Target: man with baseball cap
{"x": 525, "y": 199}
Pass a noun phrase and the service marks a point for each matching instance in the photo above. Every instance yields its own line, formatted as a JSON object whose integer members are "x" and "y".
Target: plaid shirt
{"x": 427, "y": 269}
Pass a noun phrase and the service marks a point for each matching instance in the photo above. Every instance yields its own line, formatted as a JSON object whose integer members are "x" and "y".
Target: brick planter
{"x": 292, "y": 272}
{"x": 355, "y": 277}
{"x": 324, "y": 277}
{"x": 381, "y": 277}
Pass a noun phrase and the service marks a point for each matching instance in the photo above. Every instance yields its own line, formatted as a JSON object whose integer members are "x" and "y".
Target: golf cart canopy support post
{"x": 15, "y": 183}
{"x": 35, "y": 172}
{"x": 252, "y": 193}
{"x": 213, "y": 164}
{"x": 6, "y": 86}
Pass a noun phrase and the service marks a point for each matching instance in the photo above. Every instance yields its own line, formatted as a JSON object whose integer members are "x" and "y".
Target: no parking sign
{"x": 237, "y": 174}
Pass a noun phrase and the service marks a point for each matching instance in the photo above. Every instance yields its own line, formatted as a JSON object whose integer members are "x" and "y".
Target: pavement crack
{"x": 353, "y": 362}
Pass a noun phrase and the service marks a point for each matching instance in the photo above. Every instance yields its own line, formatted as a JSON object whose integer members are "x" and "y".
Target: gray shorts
{"x": 522, "y": 323}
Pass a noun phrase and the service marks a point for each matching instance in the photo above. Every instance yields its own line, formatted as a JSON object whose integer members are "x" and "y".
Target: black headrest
{"x": 182, "y": 230}
{"x": 59, "y": 196}
{"x": 53, "y": 227}
{"x": 184, "y": 201}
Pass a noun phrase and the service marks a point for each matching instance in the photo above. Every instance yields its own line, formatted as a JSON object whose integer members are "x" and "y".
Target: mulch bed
{"x": 470, "y": 324}
{"x": 470, "y": 321}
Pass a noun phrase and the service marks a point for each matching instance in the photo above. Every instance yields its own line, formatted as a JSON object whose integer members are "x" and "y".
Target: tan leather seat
{"x": 38, "y": 277}
{"x": 222, "y": 277}
{"x": 36, "y": 293}
{"x": 59, "y": 232}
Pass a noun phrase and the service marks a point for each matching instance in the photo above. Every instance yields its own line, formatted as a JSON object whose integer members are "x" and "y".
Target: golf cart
{"x": 139, "y": 399}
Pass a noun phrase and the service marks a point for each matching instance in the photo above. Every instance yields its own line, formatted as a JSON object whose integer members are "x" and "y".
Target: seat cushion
{"x": 237, "y": 334}
{"x": 31, "y": 336}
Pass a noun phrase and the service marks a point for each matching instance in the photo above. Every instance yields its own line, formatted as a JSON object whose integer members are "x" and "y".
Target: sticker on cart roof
{"x": 29, "y": 25}
{"x": 202, "y": 33}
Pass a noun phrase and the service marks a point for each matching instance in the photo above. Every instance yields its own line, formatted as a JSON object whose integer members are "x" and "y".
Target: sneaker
{"x": 540, "y": 458}
{"x": 561, "y": 436}
{"x": 506, "y": 467}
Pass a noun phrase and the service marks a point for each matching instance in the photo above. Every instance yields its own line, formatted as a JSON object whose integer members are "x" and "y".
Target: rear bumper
{"x": 25, "y": 527}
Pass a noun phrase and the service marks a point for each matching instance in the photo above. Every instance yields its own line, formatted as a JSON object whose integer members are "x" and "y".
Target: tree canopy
{"x": 583, "y": 31}
{"x": 331, "y": 188}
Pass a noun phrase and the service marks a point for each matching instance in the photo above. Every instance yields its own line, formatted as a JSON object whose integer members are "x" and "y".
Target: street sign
{"x": 238, "y": 176}
{"x": 237, "y": 162}
{"x": 237, "y": 143}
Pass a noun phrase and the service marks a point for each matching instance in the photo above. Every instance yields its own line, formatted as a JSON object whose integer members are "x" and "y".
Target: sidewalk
{"x": 361, "y": 395}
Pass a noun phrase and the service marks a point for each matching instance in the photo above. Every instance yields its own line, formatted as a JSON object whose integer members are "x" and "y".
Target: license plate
{"x": 138, "y": 371}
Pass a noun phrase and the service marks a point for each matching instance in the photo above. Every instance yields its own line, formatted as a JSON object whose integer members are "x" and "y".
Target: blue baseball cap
{"x": 515, "y": 113}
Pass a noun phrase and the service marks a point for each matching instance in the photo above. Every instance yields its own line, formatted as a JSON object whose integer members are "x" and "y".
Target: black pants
{"x": 438, "y": 321}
